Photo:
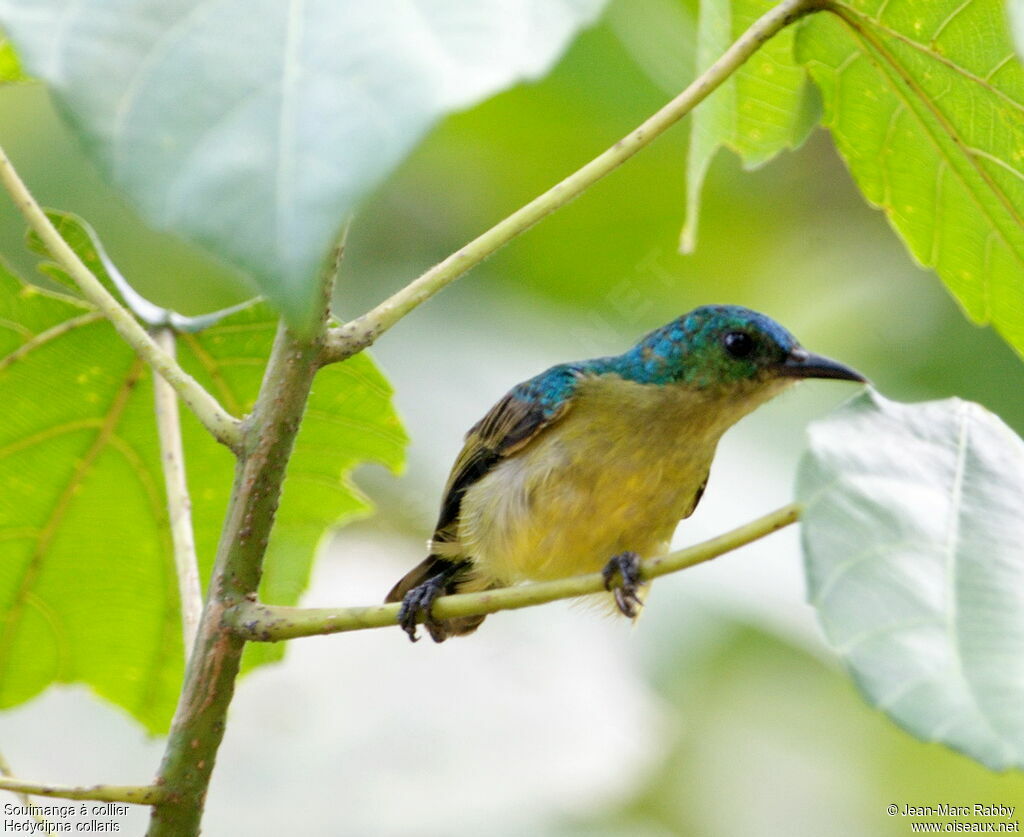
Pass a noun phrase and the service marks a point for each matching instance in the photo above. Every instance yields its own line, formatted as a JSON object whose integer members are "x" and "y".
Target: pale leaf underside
{"x": 912, "y": 540}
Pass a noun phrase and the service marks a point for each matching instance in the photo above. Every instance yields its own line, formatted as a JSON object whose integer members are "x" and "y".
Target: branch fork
{"x": 224, "y": 427}
{"x": 262, "y": 442}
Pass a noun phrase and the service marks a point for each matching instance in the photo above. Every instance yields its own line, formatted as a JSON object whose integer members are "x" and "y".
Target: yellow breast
{"x": 616, "y": 474}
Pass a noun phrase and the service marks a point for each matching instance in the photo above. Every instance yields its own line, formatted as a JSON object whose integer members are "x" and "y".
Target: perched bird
{"x": 591, "y": 465}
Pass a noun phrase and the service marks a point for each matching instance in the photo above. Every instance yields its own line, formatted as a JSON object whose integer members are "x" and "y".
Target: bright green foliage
{"x": 926, "y": 104}
{"x": 763, "y": 108}
{"x": 10, "y": 67}
{"x": 87, "y": 586}
{"x": 86, "y": 577}
{"x": 349, "y": 419}
{"x": 925, "y": 101}
{"x": 80, "y": 236}
{"x": 86, "y": 243}
{"x": 255, "y": 130}
{"x": 912, "y": 540}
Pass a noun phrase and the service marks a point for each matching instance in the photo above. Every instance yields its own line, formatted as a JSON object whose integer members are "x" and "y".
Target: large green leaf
{"x": 912, "y": 539}
{"x": 87, "y": 587}
{"x": 349, "y": 420}
{"x": 765, "y": 107}
{"x": 926, "y": 104}
{"x": 254, "y": 127}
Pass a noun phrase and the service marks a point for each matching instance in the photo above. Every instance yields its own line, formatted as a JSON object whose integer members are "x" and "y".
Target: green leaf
{"x": 254, "y": 129}
{"x": 926, "y": 104}
{"x": 10, "y": 67}
{"x": 87, "y": 245}
{"x": 765, "y": 107}
{"x": 912, "y": 539}
{"x": 349, "y": 420}
{"x": 87, "y": 585}
{"x": 83, "y": 240}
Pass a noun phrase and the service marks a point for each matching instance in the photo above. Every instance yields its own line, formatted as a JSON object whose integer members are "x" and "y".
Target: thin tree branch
{"x": 26, "y": 800}
{"x": 179, "y": 504}
{"x": 354, "y": 336}
{"x": 133, "y": 794}
{"x": 199, "y": 722}
{"x": 271, "y": 623}
{"x": 224, "y": 427}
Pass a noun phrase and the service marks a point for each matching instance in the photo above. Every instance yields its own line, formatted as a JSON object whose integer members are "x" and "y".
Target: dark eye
{"x": 738, "y": 343}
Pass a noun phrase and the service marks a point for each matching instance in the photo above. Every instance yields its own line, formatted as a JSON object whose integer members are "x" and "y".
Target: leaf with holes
{"x": 926, "y": 104}
{"x": 87, "y": 586}
{"x": 763, "y": 108}
{"x": 255, "y": 127}
{"x": 912, "y": 537}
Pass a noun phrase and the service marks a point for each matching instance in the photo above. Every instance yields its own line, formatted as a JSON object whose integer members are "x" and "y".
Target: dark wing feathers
{"x": 465, "y": 473}
{"x": 507, "y": 428}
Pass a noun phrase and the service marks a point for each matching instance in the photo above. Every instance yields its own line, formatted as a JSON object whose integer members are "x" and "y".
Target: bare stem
{"x": 26, "y": 800}
{"x": 224, "y": 427}
{"x": 133, "y": 794}
{"x": 199, "y": 721}
{"x": 263, "y": 443}
{"x": 179, "y": 504}
{"x": 271, "y": 623}
{"x": 354, "y": 336}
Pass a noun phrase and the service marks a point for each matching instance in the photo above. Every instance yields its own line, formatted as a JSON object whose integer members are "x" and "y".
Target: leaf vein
{"x": 212, "y": 366}
{"x": 948, "y": 20}
{"x": 134, "y": 86}
{"x": 31, "y": 572}
{"x": 981, "y": 81}
{"x": 887, "y": 60}
{"x": 49, "y": 335}
{"x": 844, "y": 567}
{"x": 857, "y": 640}
{"x": 1010, "y": 56}
{"x": 49, "y": 433}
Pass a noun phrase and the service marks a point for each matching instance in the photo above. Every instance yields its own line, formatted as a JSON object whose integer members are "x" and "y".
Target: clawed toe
{"x": 421, "y": 600}
{"x": 629, "y": 602}
{"x": 626, "y": 566}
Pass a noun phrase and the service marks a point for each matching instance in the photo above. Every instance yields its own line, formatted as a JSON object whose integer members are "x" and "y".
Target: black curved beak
{"x": 803, "y": 364}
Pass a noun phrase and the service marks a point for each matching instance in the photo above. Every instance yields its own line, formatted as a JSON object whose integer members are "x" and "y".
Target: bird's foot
{"x": 421, "y": 600}
{"x": 625, "y": 565}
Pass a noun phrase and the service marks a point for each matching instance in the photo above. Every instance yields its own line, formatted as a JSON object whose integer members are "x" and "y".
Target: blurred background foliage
{"x": 721, "y": 713}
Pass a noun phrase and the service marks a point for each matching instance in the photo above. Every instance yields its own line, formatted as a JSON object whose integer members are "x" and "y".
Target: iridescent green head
{"x": 722, "y": 345}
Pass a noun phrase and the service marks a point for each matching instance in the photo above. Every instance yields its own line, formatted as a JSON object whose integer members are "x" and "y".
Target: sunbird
{"x": 591, "y": 465}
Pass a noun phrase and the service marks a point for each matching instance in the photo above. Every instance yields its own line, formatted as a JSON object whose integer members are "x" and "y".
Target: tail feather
{"x": 428, "y": 568}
